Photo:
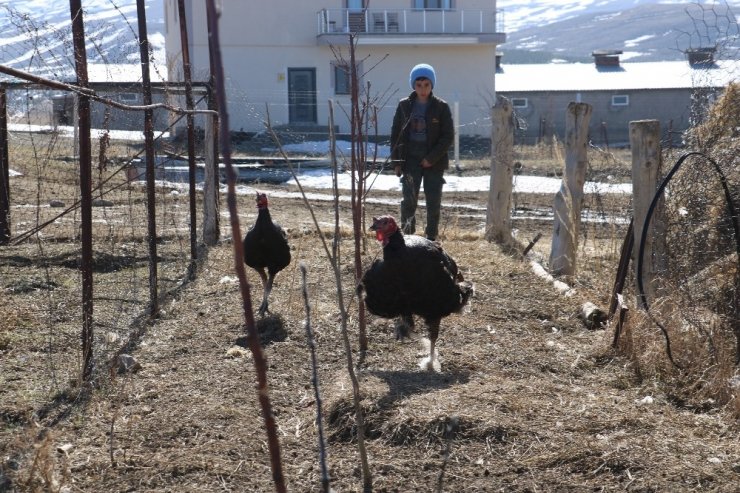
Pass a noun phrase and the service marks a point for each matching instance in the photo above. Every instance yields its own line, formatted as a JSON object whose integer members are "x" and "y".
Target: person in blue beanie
{"x": 421, "y": 136}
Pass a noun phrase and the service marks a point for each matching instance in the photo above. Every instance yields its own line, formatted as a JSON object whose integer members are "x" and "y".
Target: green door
{"x": 302, "y": 95}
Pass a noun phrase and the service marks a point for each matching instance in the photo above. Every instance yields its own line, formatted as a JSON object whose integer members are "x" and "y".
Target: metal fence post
{"x": 83, "y": 119}
{"x": 4, "y": 169}
{"x": 149, "y": 145}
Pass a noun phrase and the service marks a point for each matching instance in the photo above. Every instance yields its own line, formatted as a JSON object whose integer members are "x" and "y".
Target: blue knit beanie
{"x": 422, "y": 70}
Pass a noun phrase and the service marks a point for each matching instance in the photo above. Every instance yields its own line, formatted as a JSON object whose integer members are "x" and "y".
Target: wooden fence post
{"x": 456, "y": 145}
{"x": 190, "y": 104}
{"x": 646, "y": 165}
{"x": 211, "y": 180}
{"x": 211, "y": 193}
{"x": 568, "y": 200}
{"x": 498, "y": 214}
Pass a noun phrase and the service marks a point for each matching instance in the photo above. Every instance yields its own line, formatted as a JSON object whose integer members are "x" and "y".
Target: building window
{"x": 620, "y": 100}
{"x": 433, "y": 4}
{"x": 341, "y": 78}
{"x": 520, "y": 102}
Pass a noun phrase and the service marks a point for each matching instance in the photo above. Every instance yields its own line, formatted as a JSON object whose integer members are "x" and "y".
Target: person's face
{"x": 422, "y": 88}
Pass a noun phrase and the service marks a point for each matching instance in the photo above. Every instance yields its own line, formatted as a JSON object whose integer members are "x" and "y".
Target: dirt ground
{"x": 528, "y": 398}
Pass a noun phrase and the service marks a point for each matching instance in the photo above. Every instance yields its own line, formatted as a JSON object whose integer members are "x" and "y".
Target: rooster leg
{"x": 268, "y": 288}
{"x": 265, "y": 293}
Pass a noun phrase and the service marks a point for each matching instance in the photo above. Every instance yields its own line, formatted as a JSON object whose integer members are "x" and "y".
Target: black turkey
{"x": 415, "y": 277}
{"x": 266, "y": 249}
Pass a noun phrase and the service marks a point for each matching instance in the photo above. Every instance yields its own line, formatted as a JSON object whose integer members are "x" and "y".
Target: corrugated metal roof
{"x": 628, "y": 76}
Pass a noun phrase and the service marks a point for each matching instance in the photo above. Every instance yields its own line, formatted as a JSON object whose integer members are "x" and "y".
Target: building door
{"x": 302, "y": 95}
{"x": 355, "y": 5}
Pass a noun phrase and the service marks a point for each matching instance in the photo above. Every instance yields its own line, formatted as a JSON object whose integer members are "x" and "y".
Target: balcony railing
{"x": 408, "y": 21}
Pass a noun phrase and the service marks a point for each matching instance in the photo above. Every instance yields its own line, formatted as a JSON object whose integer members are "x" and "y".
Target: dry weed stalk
{"x": 344, "y": 315}
{"x": 362, "y": 112}
{"x": 252, "y": 337}
{"x": 450, "y": 429}
{"x": 41, "y": 474}
{"x": 315, "y": 381}
{"x": 358, "y": 122}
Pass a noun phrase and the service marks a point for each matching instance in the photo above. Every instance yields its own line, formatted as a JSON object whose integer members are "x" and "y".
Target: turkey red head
{"x": 384, "y": 227}
{"x": 261, "y": 200}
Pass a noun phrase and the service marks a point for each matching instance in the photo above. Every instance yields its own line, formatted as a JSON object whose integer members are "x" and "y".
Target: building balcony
{"x": 410, "y": 26}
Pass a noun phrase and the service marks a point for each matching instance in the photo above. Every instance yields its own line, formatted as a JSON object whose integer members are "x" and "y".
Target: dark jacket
{"x": 440, "y": 131}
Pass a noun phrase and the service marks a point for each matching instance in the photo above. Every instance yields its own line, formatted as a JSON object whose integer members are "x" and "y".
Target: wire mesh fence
{"x": 43, "y": 271}
{"x": 694, "y": 233}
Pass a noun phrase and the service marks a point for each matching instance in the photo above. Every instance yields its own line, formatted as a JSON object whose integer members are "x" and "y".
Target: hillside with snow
{"x": 37, "y": 34}
{"x": 645, "y": 30}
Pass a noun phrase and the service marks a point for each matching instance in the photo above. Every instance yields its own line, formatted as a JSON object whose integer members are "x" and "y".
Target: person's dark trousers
{"x": 413, "y": 177}
{"x": 433, "y": 182}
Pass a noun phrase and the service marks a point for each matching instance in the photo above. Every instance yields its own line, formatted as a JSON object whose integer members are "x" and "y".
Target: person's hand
{"x": 397, "y": 169}
{"x": 425, "y": 164}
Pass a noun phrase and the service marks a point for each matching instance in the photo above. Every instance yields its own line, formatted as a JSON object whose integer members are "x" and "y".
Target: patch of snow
{"x": 96, "y": 133}
{"x": 635, "y": 41}
{"x": 630, "y": 54}
{"x": 645, "y": 401}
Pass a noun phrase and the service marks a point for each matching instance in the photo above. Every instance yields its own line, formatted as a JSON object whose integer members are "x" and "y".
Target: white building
{"x": 289, "y": 56}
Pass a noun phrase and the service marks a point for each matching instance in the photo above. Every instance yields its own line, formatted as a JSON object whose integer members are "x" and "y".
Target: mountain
{"x": 37, "y": 34}
{"x": 561, "y": 30}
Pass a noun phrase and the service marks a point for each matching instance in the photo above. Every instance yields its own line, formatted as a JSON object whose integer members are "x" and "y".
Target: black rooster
{"x": 415, "y": 277}
{"x": 266, "y": 247}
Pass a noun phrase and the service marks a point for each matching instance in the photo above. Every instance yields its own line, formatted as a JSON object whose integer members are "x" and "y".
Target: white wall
{"x": 261, "y": 40}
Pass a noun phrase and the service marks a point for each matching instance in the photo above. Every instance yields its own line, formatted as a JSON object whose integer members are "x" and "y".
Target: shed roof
{"x": 627, "y": 76}
{"x": 121, "y": 72}
{"x": 98, "y": 73}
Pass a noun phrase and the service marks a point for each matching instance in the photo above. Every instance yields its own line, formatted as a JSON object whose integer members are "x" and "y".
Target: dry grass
{"x": 528, "y": 398}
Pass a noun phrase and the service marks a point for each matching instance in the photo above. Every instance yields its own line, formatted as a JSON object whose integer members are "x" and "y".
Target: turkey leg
{"x": 404, "y": 325}
{"x": 433, "y": 329}
{"x": 266, "y": 286}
